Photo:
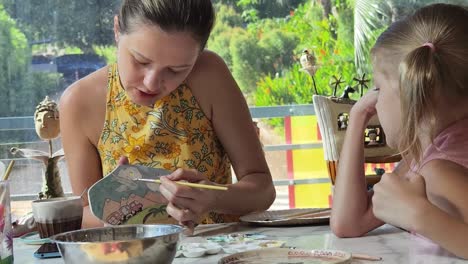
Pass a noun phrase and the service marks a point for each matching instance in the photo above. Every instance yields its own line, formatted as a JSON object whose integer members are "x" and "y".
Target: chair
{"x": 332, "y": 116}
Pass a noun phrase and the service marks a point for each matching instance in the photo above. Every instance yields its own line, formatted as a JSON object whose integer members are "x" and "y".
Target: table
{"x": 392, "y": 244}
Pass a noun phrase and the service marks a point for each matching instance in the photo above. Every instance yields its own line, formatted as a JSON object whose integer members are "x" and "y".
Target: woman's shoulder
{"x": 88, "y": 93}
{"x": 211, "y": 82}
{"x": 209, "y": 70}
{"x": 209, "y": 58}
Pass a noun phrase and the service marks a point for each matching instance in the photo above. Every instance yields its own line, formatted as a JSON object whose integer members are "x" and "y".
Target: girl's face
{"x": 388, "y": 99}
{"x": 153, "y": 63}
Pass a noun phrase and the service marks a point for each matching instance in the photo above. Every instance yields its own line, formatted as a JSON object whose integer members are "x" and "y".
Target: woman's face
{"x": 153, "y": 63}
{"x": 388, "y": 100}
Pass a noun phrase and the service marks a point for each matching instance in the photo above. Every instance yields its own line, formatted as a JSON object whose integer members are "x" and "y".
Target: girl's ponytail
{"x": 421, "y": 81}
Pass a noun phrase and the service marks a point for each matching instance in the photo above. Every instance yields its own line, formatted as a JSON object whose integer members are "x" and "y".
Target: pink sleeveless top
{"x": 451, "y": 144}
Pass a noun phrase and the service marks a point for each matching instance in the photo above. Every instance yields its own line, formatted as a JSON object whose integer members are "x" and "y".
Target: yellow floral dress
{"x": 175, "y": 133}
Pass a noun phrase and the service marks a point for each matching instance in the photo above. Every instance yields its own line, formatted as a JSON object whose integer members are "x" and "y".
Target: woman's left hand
{"x": 186, "y": 204}
{"x": 397, "y": 199}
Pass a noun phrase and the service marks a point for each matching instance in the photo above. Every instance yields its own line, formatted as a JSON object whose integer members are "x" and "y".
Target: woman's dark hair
{"x": 193, "y": 16}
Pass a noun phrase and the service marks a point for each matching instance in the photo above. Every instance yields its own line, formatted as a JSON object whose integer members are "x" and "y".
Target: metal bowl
{"x": 120, "y": 244}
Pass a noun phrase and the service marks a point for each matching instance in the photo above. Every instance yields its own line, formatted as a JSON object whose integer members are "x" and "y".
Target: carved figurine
{"x": 46, "y": 120}
{"x": 309, "y": 65}
{"x": 343, "y": 122}
{"x": 372, "y": 134}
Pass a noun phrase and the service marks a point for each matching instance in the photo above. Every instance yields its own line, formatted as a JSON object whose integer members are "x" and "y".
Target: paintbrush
{"x": 190, "y": 184}
{"x": 8, "y": 170}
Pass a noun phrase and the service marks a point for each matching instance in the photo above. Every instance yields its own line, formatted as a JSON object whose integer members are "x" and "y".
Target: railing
{"x": 13, "y": 124}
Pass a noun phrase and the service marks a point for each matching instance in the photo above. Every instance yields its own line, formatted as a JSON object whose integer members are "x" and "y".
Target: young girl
{"x": 167, "y": 103}
{"x": 421, "y": 92}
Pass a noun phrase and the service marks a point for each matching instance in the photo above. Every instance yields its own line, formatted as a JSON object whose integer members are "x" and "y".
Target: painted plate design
{"x": 118, "y": 199}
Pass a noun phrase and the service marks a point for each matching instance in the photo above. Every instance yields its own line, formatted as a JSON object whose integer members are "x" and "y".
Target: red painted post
{"x": 289, "y": 161}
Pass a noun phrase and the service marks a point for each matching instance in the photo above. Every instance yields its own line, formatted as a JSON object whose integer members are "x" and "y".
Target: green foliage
{"x": 109, "y": 53}
{"x": 71, "y": 50}
{"x": 259, "y": 9}
{"x": 220, "y": 43}
{"x": 335, "y": 57}
{"x": 66, "y": 22}
{"x": 228, "y": 25}
{"x": 14, "y": 52}
{"x": 227, "y": 15}
{"x": 295, "y": 87}
{"x": 34, "y": 88}
{"x": 246, "y": 61}
{"x": 278, "y": 49}
{"x": 21, "y": 90}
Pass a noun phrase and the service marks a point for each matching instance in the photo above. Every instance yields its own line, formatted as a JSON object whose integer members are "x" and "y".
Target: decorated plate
{"x": 287, "y": 217}
{"x": 284, "y": 255}
{"x": 118, "y": 199}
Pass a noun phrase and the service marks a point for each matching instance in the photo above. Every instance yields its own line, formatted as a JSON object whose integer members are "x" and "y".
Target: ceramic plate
{"x": 279, "y": 217}
{"x": 284, "y": 255}
{"x": 118, "y": 199}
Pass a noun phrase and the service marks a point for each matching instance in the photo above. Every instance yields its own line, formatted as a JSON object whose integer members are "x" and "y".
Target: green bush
{"x": 35, "y": 87}
{"x": 295, "y": 87}
{"x": 277, "y": 51}
{"x": 246, "y": 61}
{"x": 109, "y": 53}
{"x": 14, "y": 53}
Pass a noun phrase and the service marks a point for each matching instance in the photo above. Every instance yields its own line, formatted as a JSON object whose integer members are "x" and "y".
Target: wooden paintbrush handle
{"x": 319, "y": 213}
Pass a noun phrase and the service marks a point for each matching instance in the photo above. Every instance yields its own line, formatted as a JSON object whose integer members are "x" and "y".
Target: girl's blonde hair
{"x": 431, "y": 49}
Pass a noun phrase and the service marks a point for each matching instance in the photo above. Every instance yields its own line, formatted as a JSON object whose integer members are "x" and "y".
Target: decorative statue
{"x": 309, "y": 65}
{"x": 46, "y": 120}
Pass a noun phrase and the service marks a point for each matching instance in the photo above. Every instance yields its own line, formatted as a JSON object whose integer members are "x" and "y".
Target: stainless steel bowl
{"x": 120, "y": 244}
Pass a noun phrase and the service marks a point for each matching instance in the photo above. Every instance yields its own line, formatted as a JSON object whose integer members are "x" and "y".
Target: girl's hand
{"x": 397, "y": 200}
{"x": 186, "y": 204}
{"x": 365, "y": 107}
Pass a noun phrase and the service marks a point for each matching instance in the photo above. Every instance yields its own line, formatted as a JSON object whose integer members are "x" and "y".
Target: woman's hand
{"x": 397, "y": 200}
{"x": 123, "y": 160}
{"x": 186, "y": 204}
{"x": 365, "y": 107}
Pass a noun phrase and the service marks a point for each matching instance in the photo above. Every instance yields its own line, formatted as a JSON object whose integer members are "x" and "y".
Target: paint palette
{"x": 230, "y": 244}
{"x": 118, "y": 199}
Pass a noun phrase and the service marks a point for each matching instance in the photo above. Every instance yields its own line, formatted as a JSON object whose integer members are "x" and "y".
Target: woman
{"x": 167, "y": 103}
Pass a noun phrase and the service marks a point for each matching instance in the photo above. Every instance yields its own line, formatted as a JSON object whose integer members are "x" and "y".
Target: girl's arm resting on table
{"x": 442, "y": 228}
{"x": 446, "y": 185}
{"x": 352, "y": 204}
